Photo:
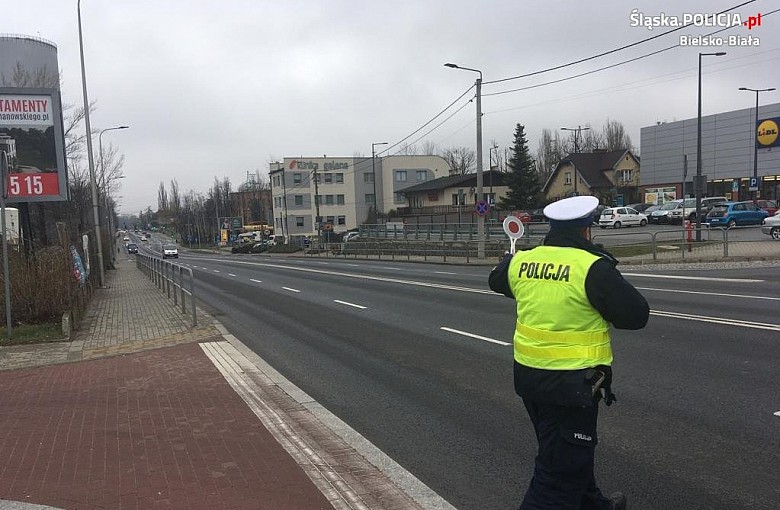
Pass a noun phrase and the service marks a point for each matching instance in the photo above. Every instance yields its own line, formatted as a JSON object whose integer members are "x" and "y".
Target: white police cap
{"x": 574, "y": 208}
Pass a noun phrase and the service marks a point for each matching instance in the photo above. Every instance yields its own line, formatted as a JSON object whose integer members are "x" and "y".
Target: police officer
{"x": 568, "y": 292}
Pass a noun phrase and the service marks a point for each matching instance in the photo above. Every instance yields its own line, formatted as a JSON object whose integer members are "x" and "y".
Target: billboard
{"x": 767, "y": 133}
{"x": 32, "y": 138}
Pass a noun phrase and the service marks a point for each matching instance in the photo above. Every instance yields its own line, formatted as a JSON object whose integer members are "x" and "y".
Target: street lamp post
{"x": 755, "y": 144}
{"x": 577, "y": 132}
{"x": 698, "y": 185}
{"x": 373, "y": 173}
{"x": 93, "y": 185}
{"x": 105, "y": 191}
{"x": 480, "y": 194}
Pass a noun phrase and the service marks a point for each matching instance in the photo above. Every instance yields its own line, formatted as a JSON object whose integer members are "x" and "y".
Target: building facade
{"x": 728, "y": 142}
{"x": 611, "y": 176}
{"x": 347, "y": 190}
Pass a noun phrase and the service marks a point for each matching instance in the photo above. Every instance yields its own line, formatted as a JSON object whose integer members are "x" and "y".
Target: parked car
{"x": 731, "y": 214}
{"x": 770, "y": 206}
{"x": 617, "y": 217}
{"x": 771, "y": 226}
{"x": 132, "y": 248}
{"x": 639, "y": 207}
{"x": 350, "y": 236}
{"x": 650, "y": 210}
{"x": 275, "y": 239}
{"x": 707, "y": 203}
{"x": 170, "y": 251}
{"x": 523, "y": 216}
{"x": 537, "y": 215}
{"x": 661, "y": 215}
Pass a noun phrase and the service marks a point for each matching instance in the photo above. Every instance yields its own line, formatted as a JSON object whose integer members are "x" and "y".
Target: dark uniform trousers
{"x": 563, "y": 473}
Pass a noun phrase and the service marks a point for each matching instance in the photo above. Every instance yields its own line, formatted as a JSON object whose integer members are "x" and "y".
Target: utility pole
{"x": 285, "y": 227}
{"x": 317, "y": 218}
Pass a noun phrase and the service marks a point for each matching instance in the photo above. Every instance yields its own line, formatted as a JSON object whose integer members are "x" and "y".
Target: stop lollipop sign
{"x": 514, "y": 228}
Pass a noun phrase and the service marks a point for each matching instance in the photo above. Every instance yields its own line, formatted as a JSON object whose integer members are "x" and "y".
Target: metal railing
{"x": 170, "y": 278}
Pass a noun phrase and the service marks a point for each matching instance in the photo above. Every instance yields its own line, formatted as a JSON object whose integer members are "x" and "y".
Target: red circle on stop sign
{"x": 513, "y": 227}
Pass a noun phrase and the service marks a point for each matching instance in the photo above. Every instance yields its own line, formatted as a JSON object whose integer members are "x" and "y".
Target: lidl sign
{"x": 767, "y": 133}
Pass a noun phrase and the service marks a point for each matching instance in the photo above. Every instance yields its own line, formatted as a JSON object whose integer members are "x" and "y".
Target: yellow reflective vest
{"x": 557, "y": 327}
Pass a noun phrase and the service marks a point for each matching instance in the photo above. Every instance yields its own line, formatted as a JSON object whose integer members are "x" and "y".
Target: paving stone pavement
{"x": 141, "y": 410}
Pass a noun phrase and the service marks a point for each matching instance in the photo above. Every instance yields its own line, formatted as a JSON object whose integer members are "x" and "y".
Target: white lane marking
{"x": 256, "y": 281}
{"x": 216, "y": 270}
{"x": 711, "y": 293}
{"x": 368, "y": 277}
{"x": 391, "y": 268}
{"x": 291, "y": 289}
{"x": 231, "y": 274}
{"x": 718, "y": 320}
{"x": 472, "y": 335}
{"x": 443, "y": 272}
{"x": 323, "y": 263}
{"x": 777, "y": 413}
{"x": 354, "y": 265}
{"x": 349, "y": 304}
{"x": 701, "y": 278}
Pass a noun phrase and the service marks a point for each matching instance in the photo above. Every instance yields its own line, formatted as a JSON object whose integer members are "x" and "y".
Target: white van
{"x": 275, "y": 239}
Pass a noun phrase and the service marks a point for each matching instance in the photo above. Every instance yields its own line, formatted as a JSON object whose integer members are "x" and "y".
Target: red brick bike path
{"x": 155, "y": 429}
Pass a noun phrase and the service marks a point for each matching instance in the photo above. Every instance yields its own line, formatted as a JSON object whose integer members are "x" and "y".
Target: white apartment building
{"x": 347, "y": 189}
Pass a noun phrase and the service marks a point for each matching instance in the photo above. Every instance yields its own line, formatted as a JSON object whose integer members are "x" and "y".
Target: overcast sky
{"x": 222, "y": 88}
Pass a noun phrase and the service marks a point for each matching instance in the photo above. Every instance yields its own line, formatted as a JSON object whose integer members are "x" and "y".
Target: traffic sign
{"x": 482, "y": 208}
{"x": 753, "y": 184}
{"x": 514, "y": 228}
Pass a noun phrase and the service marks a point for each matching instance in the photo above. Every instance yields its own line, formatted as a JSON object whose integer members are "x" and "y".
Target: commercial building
{"x": 728, "y": 141}
{"x": 351, "y": 191}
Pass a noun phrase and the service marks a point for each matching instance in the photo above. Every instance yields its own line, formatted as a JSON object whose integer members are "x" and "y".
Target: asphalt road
{"x": 416, "y": 357}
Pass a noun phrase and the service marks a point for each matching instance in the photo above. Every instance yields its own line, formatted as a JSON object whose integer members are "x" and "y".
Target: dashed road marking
{"x": 443, "y": 272}
{"x": 472, "y": 335}
{"x": 350, "y": 304}
{"x": 256, "y": 281}
{"x": 231, "y": 274}
{"x": 291, "y": 289}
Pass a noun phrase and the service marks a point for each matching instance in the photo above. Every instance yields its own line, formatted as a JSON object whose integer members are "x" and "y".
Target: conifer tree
{"x": 523, "y": 178}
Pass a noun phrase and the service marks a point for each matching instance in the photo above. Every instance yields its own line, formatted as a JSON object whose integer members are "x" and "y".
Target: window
{"x": 342, "y": 220}
{"x": 370, "y": 199}
{"x": 299, "y": 221}
{"x": 328, "y": 199}
{"x": 328, "y": 178}
{"x": 740, "y": 207}
{"x": 399, "y": 198}
{"x": 338, "y": 177}
{"x": 368, "y": 177}
{"x": 297, "y": 178}
{"x": 625, "y": 175}
{"x": 299, "y": 200}
{"x": 276, "y": 180}
{"x": 461, "y": 201}
{"x": 567, "y": 178}
{"x": 400, "y": 176}
{"x": 330, "y": 219}
{"x": 422, "y": 175}
{"x": 340, "y": 199}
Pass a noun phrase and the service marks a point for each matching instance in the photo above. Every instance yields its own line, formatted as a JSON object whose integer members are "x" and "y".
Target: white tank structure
{"x": 29, "y": 62}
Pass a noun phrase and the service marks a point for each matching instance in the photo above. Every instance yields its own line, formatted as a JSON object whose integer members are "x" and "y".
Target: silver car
{"x": 771, "y": 226}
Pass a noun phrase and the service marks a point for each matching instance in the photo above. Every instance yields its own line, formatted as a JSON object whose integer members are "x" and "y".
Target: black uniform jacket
{"x": 610, "y": 294}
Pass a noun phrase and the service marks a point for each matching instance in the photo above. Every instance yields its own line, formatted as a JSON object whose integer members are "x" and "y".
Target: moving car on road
{"x": 132, "y": 248}
{"x": 170, "y": 250}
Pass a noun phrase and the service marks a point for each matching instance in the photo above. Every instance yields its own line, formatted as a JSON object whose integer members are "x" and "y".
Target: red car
{"x": 769, "y": 206}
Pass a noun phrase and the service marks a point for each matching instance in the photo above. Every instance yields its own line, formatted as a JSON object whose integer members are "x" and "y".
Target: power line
{"x": 640, "y": 57}
{"x": 614, "y": 50}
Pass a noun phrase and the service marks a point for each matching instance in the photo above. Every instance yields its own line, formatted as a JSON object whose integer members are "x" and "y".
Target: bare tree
{"x": 615, "y": 136}
{"x": 549, "y": 153}
{"x": 461, "y": 160}
{"x": 407, "y": 150}
{"x": 162, "y": 197}
{"x": 429, "y": 148}
{"x": 174, "y": 202}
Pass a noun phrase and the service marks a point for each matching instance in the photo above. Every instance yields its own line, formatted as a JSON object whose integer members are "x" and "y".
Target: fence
{"x": 628, "y": 245}
{"x": 170, "y": 278}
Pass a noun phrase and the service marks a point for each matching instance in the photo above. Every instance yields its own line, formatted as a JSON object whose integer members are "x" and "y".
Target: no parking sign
{"x": 514, "y": 228}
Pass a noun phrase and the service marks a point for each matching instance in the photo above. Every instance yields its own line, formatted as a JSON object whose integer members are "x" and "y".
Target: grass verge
{"x": 33, "y": 333}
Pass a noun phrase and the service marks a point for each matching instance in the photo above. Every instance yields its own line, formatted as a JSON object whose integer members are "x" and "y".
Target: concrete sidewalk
{"x": 141, "y": 410}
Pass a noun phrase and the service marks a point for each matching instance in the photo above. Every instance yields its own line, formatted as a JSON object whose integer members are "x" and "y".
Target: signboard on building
{"x": 231, "y": 223}
{"x": 31, "y": 136}
{"x": 767, "y": 133}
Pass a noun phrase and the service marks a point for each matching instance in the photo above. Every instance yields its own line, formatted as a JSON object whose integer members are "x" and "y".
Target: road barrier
{"x": 170, "y": 278}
